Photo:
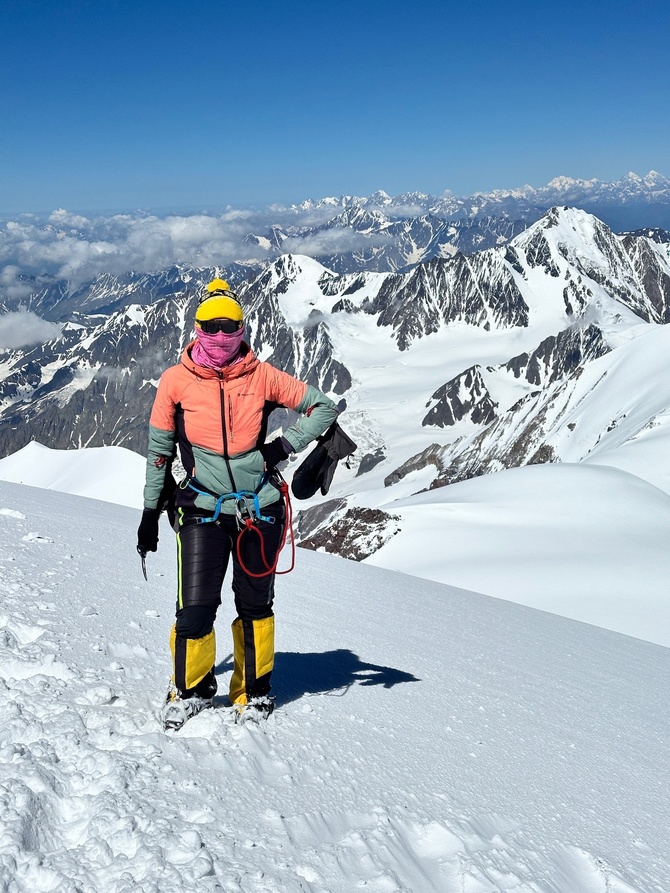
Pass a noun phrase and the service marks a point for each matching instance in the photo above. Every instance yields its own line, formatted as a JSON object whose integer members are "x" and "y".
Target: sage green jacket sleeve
{"x": 317, "y": 414}
{"x": 161, "y": 450}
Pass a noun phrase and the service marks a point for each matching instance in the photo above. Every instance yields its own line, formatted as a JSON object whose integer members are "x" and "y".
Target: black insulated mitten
{"x": 317, "y": 470}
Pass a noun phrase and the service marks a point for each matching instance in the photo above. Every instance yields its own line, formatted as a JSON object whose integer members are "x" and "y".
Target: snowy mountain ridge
{"x": 555, "y": 192}
{"x": 51, "y": 264}
{"x": 525, "y": 202}
{"x": 400, "y": 231}
{"x": 441, "y": 741}
{"x": 550, "y": 348}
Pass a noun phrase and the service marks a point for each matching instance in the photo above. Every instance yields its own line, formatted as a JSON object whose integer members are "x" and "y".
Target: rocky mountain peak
{"x": 568, "y": 274}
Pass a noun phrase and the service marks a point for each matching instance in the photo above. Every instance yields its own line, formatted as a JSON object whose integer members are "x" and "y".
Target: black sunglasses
{"x": 219, "y": 293}
{"x": 212, "y": 326}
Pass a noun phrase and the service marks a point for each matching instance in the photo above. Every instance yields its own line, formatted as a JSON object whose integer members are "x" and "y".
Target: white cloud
{"x": 61, "y": 217}
{"x": 333, "y": 241}
{"x": 23, "y": 328}
{"x": 76, "y": 248}
{"x": 13, "y": 287}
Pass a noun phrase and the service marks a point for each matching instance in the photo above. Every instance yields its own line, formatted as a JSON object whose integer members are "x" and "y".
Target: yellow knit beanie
{"x": 219, "y": 302}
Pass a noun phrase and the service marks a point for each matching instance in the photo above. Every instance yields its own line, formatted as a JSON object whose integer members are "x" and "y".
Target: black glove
{"x": 275, "y": 452}
{"x": 147, "y": 532}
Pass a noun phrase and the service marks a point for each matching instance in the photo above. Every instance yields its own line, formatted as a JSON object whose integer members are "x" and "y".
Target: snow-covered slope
{"x": 588, "y": 541}
{"x": 610, "y": 402}
{"x": 585, "y": 541}
{"x": 112, "y": 474}
{"x": 426, "y": 738}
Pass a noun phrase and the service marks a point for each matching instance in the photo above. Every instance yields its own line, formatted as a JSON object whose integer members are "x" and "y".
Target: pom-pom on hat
{"x": 219, "y": 302}
{"x": 216, "y": 286}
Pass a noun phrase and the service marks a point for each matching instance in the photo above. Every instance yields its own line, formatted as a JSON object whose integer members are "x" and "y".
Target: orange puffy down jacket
{"x": 218, "y": 419}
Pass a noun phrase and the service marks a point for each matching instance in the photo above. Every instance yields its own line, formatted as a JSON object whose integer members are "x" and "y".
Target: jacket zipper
{"x": 222, "y": 400}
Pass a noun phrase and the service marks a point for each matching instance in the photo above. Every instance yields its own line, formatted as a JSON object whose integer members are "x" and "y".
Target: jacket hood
{"x": 248, "y": 362}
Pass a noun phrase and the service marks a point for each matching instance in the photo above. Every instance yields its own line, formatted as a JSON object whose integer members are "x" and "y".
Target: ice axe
{"x": 143, "y": 556}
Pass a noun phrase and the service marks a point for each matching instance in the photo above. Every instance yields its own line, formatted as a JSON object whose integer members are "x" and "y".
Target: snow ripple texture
{"x": 482, "y": 748}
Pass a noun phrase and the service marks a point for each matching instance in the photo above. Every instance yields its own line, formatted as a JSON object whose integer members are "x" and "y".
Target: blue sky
{"x": 109, "y": 104}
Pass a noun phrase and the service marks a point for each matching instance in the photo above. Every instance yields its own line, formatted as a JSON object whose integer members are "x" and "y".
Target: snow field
{"x": 426, "y": 738}
{"x": 585, "y": 541}
{"x": 113, "y": 474}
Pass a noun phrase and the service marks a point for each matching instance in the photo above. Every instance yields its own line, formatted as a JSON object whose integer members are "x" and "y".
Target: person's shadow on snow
{"x": 327, "y": 672}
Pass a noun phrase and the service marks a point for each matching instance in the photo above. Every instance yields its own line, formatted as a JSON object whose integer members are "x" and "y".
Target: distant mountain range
{"x": 63, "y": 264}
{"x": 629, "y": 191}
{"x": 532, "y": 342}
{"x": 457, "y": 363}
{"x": 406, "y": 229}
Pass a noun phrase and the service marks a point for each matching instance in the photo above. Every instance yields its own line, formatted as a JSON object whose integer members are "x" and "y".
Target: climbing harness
{"x": 247, "y": 503}
{"x": 248, "y": 514}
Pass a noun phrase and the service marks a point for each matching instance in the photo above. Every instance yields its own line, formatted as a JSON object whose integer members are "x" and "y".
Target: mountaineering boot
{"x": 182, "y": 705}
{"x": 255, "y": 710}
{"x": 253, "y": 659}
{"x": 178, "y": 710}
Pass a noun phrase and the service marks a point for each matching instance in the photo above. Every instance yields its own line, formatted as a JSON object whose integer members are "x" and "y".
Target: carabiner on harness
{"x": 248, "y": 509}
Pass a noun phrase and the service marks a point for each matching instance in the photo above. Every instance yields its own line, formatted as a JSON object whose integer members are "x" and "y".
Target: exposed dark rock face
{"x": 559, "y": 355}
{"x": 465, "y": 396}
{"x": 538, "y": 252}
{"x": 653, "y": 279}
{"x": 357, "y": 534}
{"x": 432, "y": 455}
{"x": 370, "y": 461}
{"x": 308, "y": 521}
{"x": 480, "y": 291}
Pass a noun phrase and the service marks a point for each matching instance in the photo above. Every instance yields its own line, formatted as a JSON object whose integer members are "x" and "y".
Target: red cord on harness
{"x": 249, "y": 525}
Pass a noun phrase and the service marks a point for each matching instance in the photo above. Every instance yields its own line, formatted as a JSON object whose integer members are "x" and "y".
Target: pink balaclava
{"x": 216, "y": 351}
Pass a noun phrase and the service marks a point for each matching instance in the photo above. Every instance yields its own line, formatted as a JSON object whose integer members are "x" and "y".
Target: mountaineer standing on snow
{"x": 214, "y": 405}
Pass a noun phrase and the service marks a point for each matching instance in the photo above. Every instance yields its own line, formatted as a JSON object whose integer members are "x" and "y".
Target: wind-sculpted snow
{"x": 439, "y": 741}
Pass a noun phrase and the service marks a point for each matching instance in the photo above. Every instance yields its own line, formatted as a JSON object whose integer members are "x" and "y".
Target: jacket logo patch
{"x": 160, "y": 461}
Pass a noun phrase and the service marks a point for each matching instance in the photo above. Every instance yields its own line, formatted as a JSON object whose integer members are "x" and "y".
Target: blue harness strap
{"x": 247, "y": 502}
